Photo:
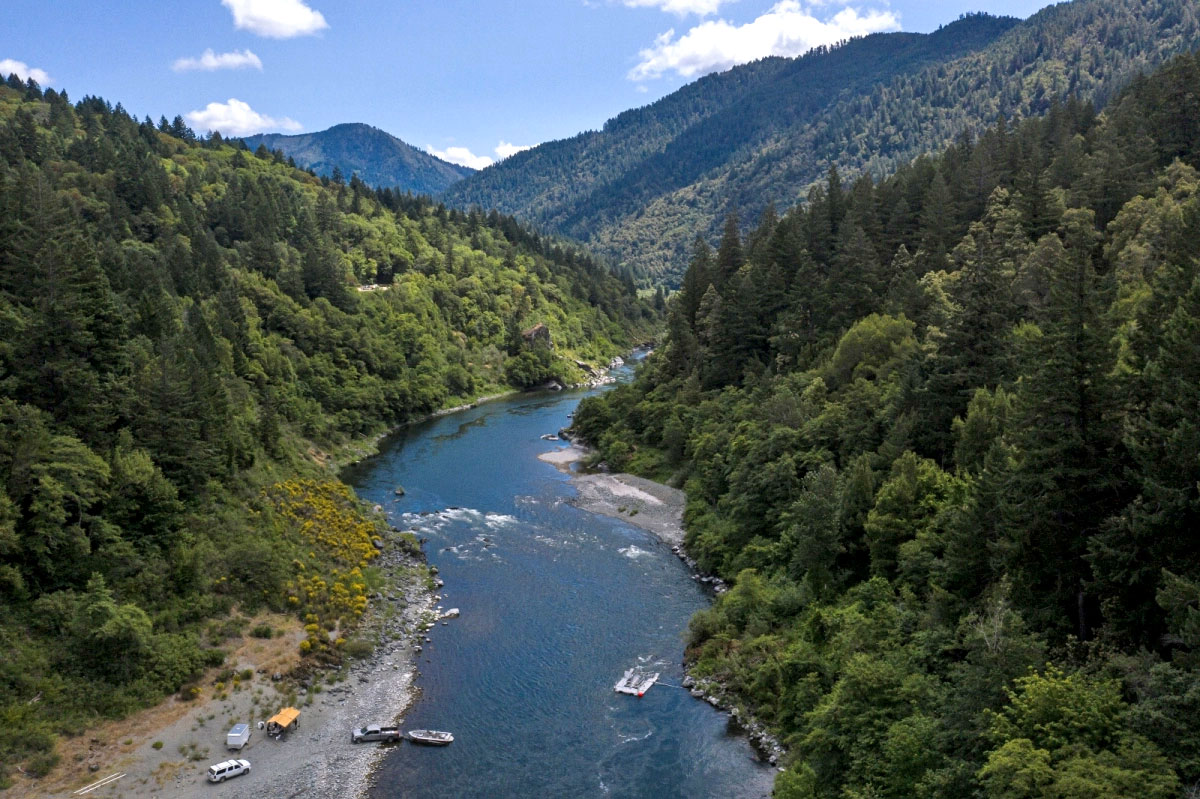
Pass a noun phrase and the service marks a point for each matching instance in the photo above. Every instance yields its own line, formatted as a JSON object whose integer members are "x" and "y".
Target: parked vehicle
{"x": 283, "y": 722}
{"x": 220, "y": 772}
{"x": 237, "y": 737}
{"x": 374, "y": 732}
{"x": 430, "y": 737}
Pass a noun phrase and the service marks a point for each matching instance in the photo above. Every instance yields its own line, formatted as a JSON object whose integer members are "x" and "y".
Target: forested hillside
{"x": 941, "y": 434}
{"x": 378, "y": 158}
{"x": 640, "y": 189}
{"x": 186, "y": 328}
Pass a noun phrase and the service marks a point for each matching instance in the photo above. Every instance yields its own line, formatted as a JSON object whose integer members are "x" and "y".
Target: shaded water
{"x": 556, "y": 603}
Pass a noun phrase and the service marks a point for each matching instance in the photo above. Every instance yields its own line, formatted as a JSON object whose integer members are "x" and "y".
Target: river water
{"x": 556, "y": 604}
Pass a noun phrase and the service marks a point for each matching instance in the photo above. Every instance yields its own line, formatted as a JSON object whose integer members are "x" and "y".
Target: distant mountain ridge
{"x": 379, "y": 158}
{"x": 641, "y": 189}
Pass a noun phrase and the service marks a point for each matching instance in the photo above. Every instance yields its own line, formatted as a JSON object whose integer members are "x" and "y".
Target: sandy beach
{"x": 641, "y": 502}
{"x": 166, "y": 750}
{"x": 658, "y": 509}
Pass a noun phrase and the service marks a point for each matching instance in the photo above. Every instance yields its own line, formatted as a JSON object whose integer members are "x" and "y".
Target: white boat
{"x": 430, "y": 737}
{"x": 635, "y": 683}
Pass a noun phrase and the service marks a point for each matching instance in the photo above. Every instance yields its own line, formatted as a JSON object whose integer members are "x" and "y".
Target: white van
{"x": 230, "y": 768}
{"x": 237, "y": 737}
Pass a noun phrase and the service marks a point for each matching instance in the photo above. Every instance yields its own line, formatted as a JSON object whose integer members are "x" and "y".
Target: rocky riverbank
{"x": 165, "y": 751}
{"x": 364, "y": 448}
{"x": 658, "y": 509}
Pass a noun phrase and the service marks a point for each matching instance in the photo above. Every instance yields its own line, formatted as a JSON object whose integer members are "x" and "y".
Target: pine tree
{"x": 729, "y": 254}
{"x": 1158, "y": 529}
{"x": 695, "y": 280}
{"x": 976, "y": 350}
{"x": 855, "y": 287}
{"x": 1067, "y": 477}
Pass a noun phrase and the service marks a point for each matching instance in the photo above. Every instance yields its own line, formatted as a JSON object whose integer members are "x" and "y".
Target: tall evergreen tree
{"x": 976, "y": 350}
{"x": 1067, "y": 478}
{"x": 696, "y": 280}
{"x": 730, "y": 256}
{"x": 1158, "y": 529}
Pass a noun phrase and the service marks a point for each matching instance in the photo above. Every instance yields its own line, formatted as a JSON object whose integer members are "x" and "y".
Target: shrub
{"x": 358, "y": 648}
{"x": 531, "y": 368}
{"x": 40, "y": 764}
{"x": 262, "y": 631}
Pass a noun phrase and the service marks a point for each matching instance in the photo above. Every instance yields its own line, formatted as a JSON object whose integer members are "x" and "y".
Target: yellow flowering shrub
{"x": 327, "y": 525}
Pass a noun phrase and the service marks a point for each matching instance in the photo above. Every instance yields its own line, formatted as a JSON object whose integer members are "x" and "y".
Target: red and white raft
{"x": 635, "y": 683}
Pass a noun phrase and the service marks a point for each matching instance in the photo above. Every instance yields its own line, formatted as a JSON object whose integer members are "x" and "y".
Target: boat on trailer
{"x": 430, "y": 737}
{"x": 635, "y": 683}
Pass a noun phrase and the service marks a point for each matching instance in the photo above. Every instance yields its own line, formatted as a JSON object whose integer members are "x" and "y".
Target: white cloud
{"x": 787, "y": 29}
{"x": 210, "y": 61}
{"x": 464, "y": 157}
{"x": 681, "y": 8}
{"x": 504, "y": 149}
{"x": 277, "y": 19}
{"x": 9, "y": 66}
{"x": 461, "y": 156}
{"x": 236, "y": 118}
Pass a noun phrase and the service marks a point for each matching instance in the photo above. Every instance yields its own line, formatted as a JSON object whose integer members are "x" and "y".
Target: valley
{"x": 905, "y": 487}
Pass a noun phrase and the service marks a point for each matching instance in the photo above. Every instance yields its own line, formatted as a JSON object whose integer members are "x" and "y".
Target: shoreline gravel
{"x": 659, "y": 509}
{"x": 643, "y": 503}
{"x": 316, "y": 759}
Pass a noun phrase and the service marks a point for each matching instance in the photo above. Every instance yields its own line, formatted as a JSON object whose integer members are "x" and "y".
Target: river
{"x": 556, "y": 604}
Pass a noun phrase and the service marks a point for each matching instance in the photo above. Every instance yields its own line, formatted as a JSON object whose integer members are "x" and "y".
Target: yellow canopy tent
{"x": 283, "y": 721}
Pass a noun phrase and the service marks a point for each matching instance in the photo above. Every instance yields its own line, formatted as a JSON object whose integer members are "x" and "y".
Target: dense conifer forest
{"x": 187, "y": 329}
{"x": 640, "y": 189}
{"x": 936, "y": 415}
{"x": 940, "y": 433}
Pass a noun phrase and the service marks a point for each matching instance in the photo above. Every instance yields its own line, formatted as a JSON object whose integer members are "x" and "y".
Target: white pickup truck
{"x": 374, "y": 732}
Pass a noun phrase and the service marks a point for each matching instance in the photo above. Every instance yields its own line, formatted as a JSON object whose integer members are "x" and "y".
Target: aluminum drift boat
{"x": 430, "y": 737}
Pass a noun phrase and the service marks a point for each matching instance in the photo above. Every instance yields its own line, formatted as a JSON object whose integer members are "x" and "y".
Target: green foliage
{"x": 927, "y": 480}
{"x": 366, "y": 153}
{"x": 872, "y": 349}
{"x": 531, "y": 368}
{"x": 358, "y": 648}
{"x": 1064, "y": 736}
{"x": 185, "y": 330}
{"x": 642, "y": 188}
{"x": 1056, "y": 710}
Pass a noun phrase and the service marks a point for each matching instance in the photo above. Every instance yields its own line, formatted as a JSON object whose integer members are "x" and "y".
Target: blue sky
{"x": 471, "y": 81}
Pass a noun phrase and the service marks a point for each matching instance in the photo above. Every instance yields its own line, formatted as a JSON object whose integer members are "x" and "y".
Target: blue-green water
{"x": 556, "y": 603}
